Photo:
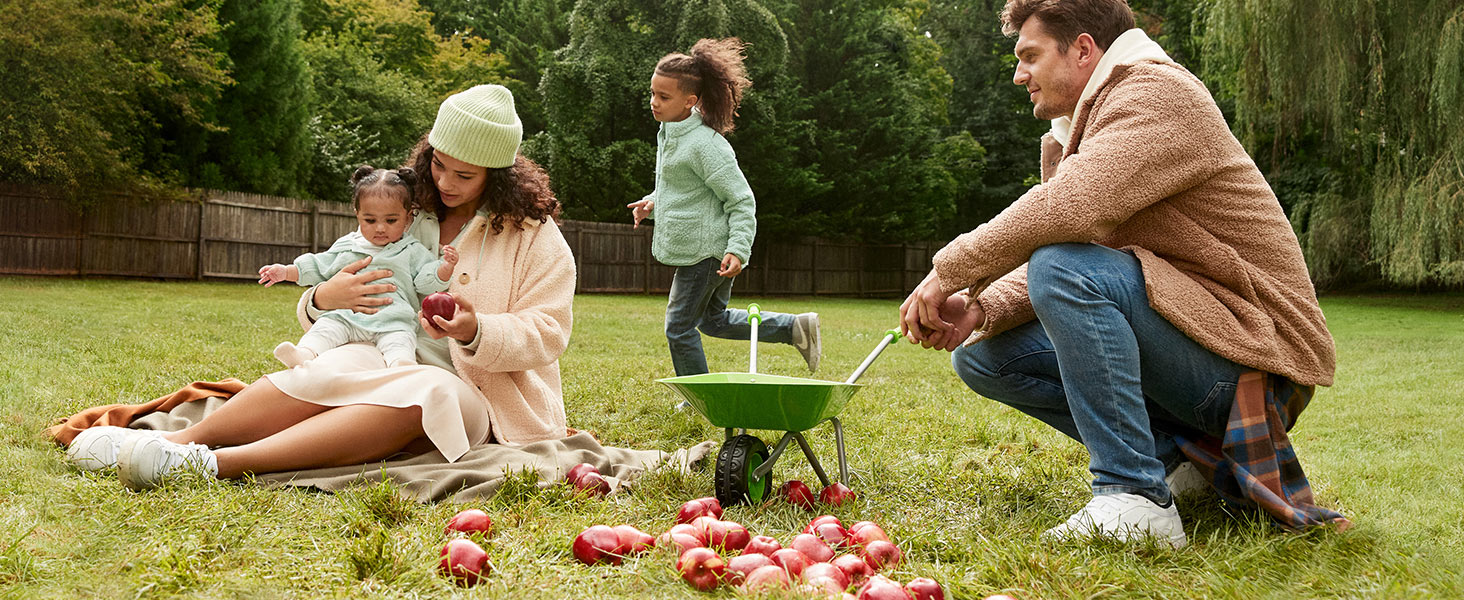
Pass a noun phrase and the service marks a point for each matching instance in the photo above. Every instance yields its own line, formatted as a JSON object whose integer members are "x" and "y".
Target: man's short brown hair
{"x": 1065, "y": 20}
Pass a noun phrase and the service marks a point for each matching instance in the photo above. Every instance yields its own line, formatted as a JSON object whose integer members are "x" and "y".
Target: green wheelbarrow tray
{"x": 762, "y": 401}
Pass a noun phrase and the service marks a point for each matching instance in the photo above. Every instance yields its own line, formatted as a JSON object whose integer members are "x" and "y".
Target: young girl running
{"x": 704, "y": 210}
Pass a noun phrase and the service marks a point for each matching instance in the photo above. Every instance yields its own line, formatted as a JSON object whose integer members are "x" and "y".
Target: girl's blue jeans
{"x": 1104, "y": 368}
{"x": 699, "y": 298}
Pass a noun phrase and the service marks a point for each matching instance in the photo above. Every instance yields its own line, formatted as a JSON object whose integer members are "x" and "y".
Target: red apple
{"x": 703, "y": 527}
{"x": 791, "y": 561}
{"x": 682, "y": 537}
{"x": 593, "y": 484}
{"x": 702, "y": 568}
{"x": 796, "y": 492}
{"x": 826, "y": 577}
{"x": 728, "y": 536}
{"x": 632, "y": 540}
{"x": 821, "y": 520}
{"x": 836, "y": 495}
{"x": 465, "y": 561}
{"x": 701, "y": 507}
{"x": 812, "y": 547}
{"x": 470, "y": 521}
{"x": 739, "y": 567}
{"x": 864, "y": 532}
{"x": 763, "y": 578}
{"x": 578, "y": 471}
{"x": 880, "y": 587}
{"x": 880, "y": 554}
{"x": 596, "y": 545}
{"x": 439, "y": 304}
{"x": 925, "y": 588}
{"x": 854, "y": 567}
{"x": 832, "y": 534}
{"x": 762, "y": 545}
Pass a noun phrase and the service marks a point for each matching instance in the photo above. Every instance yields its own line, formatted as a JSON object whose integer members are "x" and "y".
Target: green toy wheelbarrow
{"x": 738, "y": 402}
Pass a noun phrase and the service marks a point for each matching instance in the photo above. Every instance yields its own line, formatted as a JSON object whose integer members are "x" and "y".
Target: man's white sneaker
{"x": 1186, "y": 480}
{"x": 96, "y": 448}
{"x": 807, "y": 340}
{"x": 145, "y": 462}
{"x": 1126, "y": 517}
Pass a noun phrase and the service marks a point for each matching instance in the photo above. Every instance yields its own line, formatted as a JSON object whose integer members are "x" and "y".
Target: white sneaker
{"x": 1186, "y": 480}
{"x": 144, "y": 462}
{"x": 806, "y": 339}
{"x": 95, "y": 448}
{"x": 1126, "y": 517}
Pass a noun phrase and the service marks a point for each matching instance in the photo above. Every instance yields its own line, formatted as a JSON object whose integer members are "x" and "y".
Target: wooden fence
{"x": 229, "y": 235}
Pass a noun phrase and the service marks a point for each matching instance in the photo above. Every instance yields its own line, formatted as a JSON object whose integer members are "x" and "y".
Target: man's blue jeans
{"x": 1104, "y": 368}
{"x": 699, "y": 298}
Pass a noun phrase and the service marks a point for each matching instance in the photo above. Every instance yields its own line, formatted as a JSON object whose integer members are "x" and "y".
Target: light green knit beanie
{"x": 478, "y": 127}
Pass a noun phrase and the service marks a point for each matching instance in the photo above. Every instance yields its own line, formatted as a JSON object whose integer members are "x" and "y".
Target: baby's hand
{"x": 449, "y": 255}
{"x": 272, "y": 274}
{"x": 641, "y": 209}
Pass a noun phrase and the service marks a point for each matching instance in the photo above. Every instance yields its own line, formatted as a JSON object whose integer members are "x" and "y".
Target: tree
{"x": 1353, "y": 108}
{"x": 260, "y": 142}
{"x": 82, "y": 86}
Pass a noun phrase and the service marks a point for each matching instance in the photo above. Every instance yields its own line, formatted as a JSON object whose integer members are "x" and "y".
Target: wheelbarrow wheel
{"x": 734, "y": 482}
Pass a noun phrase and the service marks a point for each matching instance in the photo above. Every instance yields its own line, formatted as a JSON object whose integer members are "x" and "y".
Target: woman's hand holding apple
{"x": 354, "y": 290}
{"x": 462, "y": 327}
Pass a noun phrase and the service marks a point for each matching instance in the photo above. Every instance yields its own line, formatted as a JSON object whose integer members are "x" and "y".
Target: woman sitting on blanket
{"x": 490, "y": 372}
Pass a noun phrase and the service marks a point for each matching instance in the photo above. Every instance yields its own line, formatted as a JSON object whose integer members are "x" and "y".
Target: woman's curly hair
{"x": 513, "y": 194}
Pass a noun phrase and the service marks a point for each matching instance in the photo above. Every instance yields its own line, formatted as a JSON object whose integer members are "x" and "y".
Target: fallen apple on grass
{"x": 596, "y": 545}
{"x": 822, "y": 520}
{"x": 880, "y": 554}
{"x": 925, "y": 588}
{"x": 797, "y": 493}
{"x": 739, "y": 567}
{"x": 827, "y": 578}
{"x": 702, "y": 568}
{"x": 683, "y": 537}
{"x": 579, "y": 471}
{"x": 832, "y": 534}
{"x": 864, "y": 532}
{"x": 854, "y": 567}
{"x": 441, "y": 304}
{"x": 465, "y": 561}
{"x": 813, "y": 547}
{"x": 470, "y": 521}
{"x": 836, "y": 495}
{"x": 880, "y": 587}
{"x": 701, "y": 507}
{"x": 792, "y": 561}
{"x": 728, "y": 536}
{"x": 762, "y": 544}
{"x": 766, "y": 578}
{"x": 592, "y": 484}
{"x": 632, "y": 540}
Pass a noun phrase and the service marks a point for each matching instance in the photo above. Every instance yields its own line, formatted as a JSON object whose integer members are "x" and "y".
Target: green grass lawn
{"x": 963, "y": 484}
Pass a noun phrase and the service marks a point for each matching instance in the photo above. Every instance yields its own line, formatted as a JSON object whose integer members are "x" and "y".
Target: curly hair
{"x": 715, "y": 73}
{"x": 514, "y": 194}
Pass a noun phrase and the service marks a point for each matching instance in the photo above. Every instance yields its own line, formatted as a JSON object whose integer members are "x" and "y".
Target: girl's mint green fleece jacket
{"x": 703, "y": 205}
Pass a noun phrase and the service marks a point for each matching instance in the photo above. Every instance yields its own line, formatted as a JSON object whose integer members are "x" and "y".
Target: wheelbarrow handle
{"x": 754, "y": 317}
{"x": 889, "y": 338}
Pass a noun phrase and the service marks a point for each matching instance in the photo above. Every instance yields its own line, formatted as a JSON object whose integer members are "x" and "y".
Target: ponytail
{"x": 715, "y": 73}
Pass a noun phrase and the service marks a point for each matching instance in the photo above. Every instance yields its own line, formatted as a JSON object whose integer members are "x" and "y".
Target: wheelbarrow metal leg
{"x": 839, "y": 442}
{"x": 812, "y": 460}
{"x": 731, "y": 433}
{"x": 777, "y": 451}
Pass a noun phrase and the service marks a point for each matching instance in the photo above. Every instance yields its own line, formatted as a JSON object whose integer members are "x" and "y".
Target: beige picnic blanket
{"x": 429, "y": 477}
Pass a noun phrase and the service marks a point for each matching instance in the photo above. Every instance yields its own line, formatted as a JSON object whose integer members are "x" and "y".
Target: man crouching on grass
{"x": 1120, "y": 300}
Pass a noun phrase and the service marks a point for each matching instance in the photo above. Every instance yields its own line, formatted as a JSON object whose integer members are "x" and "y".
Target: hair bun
{"x": 408, "y": 175}
{"x": 361, "y": 172}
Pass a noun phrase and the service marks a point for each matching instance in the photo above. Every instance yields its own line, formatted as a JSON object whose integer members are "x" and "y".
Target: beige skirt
{"x": 454, "y": 413}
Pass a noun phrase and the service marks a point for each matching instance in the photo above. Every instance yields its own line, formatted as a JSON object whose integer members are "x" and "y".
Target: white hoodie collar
{"x": 1131, "y": 47}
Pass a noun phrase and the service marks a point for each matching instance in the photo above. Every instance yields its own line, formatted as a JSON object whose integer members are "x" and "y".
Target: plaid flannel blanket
{"x": 1255, "y": 465}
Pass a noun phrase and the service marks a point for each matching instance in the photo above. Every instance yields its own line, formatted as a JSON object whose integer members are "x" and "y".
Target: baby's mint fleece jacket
{"x": 413, "y": 272}
{"x": 704, "y": 207}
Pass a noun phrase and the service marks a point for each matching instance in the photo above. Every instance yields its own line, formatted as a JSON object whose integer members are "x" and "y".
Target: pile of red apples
{"x": 825, "y": 557}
